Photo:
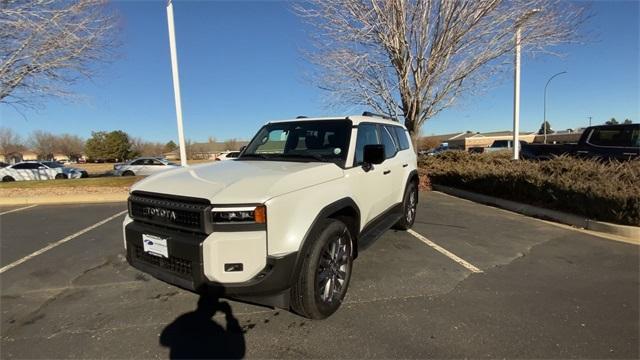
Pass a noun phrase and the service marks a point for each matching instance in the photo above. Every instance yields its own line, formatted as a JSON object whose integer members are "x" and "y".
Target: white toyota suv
{"x": 281, "y": 224}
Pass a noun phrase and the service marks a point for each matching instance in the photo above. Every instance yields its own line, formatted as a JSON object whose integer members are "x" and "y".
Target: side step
{"x": 369, "y": 236}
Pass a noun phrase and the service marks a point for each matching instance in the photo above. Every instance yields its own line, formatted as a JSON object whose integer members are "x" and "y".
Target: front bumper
{"x": 185, "y": 266}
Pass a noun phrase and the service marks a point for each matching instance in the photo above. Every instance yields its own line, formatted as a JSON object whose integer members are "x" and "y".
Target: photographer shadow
{"x": 195, "y": 335}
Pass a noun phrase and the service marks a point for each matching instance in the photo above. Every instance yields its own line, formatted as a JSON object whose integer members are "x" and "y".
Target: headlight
{"x": 244, "y": 214}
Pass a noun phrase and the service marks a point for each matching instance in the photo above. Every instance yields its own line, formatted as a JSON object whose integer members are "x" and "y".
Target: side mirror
{"x": 373, "y": 155}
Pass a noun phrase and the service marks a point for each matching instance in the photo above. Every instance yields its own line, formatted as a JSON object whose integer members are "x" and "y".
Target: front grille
{"x": 176, "y": 265}
{"x": 185, "y": 214}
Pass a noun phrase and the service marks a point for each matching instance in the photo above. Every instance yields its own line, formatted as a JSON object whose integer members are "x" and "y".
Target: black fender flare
{"x": 413, "y": 176}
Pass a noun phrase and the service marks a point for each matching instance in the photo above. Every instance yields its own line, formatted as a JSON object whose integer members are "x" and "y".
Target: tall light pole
{"x": 544, "y": 123}
{"x": 176, "y": 83}
{"x": 516, "y": 84}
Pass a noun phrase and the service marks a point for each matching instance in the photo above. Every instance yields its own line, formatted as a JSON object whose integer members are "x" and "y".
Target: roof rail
{"x": 301, "y": 117}
{"x": 369, "y": 113}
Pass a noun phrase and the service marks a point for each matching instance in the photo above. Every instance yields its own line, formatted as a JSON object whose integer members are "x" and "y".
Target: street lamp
{"x": 544, "y": 123}
{"x": 516, "y": 83}
{"x": 176, "y": 83}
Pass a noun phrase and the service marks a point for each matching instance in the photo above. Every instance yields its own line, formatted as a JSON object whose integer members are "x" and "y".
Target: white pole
{"x": 516, "y": 99}
{"x": 176, "y": 83}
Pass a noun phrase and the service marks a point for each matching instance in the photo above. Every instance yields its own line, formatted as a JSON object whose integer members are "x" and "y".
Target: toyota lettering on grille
{"x": 159, "y": 212}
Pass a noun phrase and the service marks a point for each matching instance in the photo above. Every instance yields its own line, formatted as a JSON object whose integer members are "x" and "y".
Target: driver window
{"x": 273, "y": 143}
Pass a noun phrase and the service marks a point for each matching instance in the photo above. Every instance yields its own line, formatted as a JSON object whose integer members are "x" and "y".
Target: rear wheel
{"x": 61, "y": 176}
{"x": 8, "y": 178}
{"x": 128, "y": 173}
{"x": 325, "y": 273}
{"x": 409, "y": 207}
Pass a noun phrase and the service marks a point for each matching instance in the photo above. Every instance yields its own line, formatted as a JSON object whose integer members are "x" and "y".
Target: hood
{"x": 238, "y": 182}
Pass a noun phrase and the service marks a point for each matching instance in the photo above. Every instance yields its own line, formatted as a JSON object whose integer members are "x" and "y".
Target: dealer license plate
{"x": 155, "y": 246}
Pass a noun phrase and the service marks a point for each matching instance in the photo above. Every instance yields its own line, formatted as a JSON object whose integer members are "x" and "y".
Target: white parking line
{"x": 18, "y": 209}
{"x": 445, "y": 252}
{"x": 59, "y": 242}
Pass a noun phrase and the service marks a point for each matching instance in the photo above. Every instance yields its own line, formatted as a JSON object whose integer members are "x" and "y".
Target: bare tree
{"x": 10, "y": 142}
{"x": 146, "y": 148}
{"x": 412, "y": 59}
{"x": 47, "y": 45}
{"x": 44, "y": 144}
{"x": 70, "y": 145}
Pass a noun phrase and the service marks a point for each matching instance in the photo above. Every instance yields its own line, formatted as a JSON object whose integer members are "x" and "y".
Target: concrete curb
{"x": 67, "y": 199}
{"x": 631, "y": 232}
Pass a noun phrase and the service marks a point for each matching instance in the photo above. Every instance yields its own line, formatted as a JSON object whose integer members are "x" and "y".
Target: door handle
{"x": 386, "y": 172}
{"x": 405, "y": 165}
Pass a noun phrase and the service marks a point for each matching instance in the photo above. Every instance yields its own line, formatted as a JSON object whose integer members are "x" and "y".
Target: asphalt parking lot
{"x": 538, "y": 291}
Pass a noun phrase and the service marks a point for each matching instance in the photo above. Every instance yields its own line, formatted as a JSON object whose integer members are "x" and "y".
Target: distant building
{"x": 470, "y": 139}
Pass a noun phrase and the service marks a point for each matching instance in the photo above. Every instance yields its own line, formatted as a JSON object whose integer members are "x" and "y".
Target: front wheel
{"x": 61, "y": 176}
{"x": 409, "y": 207}
{"x": 325, "y": 273}
{"x": 128, "y": 173}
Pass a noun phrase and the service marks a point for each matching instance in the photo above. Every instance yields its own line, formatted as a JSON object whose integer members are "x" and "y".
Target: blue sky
{"x": 240, "y": 65}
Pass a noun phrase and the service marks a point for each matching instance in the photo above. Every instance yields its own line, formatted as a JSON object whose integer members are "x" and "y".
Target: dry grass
{"x": 102, "y": 169}
{"x": 120, "y": 182}
{"x": 607, "y": 191}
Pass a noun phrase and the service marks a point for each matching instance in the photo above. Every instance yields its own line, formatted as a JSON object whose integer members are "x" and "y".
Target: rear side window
{"x": 367, "y": 135}
{"x": 402, "y": 137}
{"x": 387, "y": 140}
{"x": 26, "y": 166}
{"x": 612, "y": 137}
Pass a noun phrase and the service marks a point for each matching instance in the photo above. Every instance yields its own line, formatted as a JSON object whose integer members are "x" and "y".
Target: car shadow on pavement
{"x": 195, "y": 335}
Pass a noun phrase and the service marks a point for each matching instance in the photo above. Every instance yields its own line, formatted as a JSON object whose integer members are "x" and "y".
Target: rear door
{"x": 371, "y": 189}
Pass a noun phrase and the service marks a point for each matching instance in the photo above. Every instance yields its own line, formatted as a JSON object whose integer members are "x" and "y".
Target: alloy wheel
{"x": 332, "y": 269}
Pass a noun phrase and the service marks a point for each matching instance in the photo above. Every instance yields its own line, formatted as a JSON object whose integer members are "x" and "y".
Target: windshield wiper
{"x": 304, "y": 156}
{"x": 259, "y": 156}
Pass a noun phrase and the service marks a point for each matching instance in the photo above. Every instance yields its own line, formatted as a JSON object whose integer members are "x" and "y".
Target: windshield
{"x": 325, "y": 141}
{"x": 52, "y": 164}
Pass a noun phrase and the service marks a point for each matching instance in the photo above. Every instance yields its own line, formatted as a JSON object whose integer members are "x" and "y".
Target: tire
{"x": 128, "y": 173}
{"x": 61, "y": 176}
{"x": 8, "y": 179}
{"x": 324, "y": 276}
{"x": 409, "y": 207}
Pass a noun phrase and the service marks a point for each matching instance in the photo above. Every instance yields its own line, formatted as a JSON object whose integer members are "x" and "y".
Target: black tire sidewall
{"x": 411, "y": 188}
{"x": 314, "y": 306}
{"x": 8, "y": 178}
{"x": 128, "y": 173}
{"x": 60, "y": 176}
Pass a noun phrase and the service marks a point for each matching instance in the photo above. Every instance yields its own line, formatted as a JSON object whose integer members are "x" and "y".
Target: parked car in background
{"x": 39, "y": 170}
{"x": 227, "y": 155}
{"x": 620, "y": 142}
{"x": 144, "y": 166}
{"x": 497, "y": 145}
{"x": 439, "y": 149}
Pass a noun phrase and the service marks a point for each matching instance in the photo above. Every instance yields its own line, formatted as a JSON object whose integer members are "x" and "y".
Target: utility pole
{"x": 544, "y": 124}
{"x": 176, "y": 83}
{"x": 589, "y": 120}
{"x": 516, "y": 84}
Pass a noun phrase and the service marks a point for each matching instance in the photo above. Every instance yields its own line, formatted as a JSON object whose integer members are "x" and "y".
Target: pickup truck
{"x": 619, "y": 142}
{"x": 281, "y": 224}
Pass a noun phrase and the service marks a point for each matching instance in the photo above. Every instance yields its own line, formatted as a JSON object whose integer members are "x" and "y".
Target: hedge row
{"x": 607, "y": 191}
